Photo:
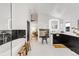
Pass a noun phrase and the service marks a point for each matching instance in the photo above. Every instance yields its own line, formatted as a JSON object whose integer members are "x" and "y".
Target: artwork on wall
{"x": 43, "y": 32}
{"x": 54, "y": 25}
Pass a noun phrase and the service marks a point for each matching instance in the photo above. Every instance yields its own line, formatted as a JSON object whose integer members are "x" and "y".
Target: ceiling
{"x": 57, "y": 10}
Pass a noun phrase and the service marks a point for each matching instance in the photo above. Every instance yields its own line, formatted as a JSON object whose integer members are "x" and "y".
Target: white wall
{"x": 68, "y": 13}
{"x": 20, "y": 15}
{"x": 43, "y": 21}
{"x": 4, "y": 15}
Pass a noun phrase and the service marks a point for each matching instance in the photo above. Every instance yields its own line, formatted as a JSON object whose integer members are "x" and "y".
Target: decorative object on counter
{"x": 76, "y": 31}
{"x": 62, "y": 31}
{"x": 57, "y": 34}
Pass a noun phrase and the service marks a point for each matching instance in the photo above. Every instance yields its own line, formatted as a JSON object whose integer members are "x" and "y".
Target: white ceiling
{"x": 58, "y": 10}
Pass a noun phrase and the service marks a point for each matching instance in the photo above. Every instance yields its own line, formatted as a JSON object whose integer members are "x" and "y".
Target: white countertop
{"x": 71, "y": 34}
{"x": 5, "y": 49}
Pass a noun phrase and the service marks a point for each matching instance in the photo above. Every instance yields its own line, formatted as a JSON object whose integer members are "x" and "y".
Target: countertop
{"x": 69, "y": 33}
